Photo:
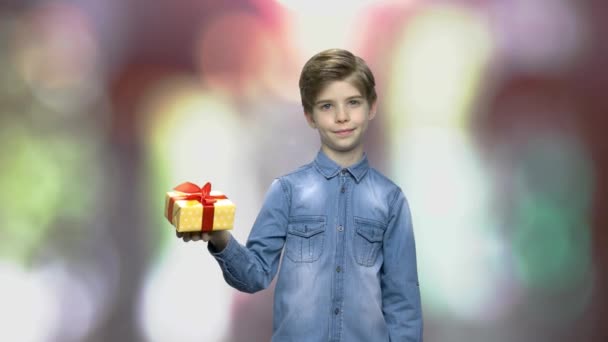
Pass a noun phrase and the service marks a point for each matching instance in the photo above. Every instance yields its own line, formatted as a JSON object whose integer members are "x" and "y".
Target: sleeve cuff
{"x": 228, "y": 253}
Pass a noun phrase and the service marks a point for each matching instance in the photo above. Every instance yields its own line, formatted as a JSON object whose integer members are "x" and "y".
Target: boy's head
{"x": 335, "y": 65}
{"x": 339, "y": 100}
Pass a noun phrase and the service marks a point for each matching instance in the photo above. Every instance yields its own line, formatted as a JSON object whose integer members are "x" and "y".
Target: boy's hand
{"x": 219, "y": 239}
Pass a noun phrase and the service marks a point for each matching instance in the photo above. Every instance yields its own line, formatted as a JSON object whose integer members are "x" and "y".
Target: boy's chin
{"x": 342, "y": 149}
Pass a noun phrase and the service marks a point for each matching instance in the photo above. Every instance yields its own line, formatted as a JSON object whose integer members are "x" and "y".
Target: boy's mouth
{"x": 344, "y": 132}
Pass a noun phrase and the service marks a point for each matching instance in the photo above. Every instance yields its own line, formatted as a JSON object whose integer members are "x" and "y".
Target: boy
{"x": 348, "y": 271}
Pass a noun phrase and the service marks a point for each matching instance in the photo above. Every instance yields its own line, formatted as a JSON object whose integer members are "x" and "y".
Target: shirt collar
{"x": 330, "y": 168}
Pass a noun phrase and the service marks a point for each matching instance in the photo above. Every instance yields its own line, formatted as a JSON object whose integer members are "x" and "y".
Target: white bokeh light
{"x": 29, "y": 310}
{"x": 185, "y": 297}
{"x": 462, "y": 259}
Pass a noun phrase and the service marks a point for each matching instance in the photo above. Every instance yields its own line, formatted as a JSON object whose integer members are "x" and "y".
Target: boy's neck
{"x": 344, "y": 159}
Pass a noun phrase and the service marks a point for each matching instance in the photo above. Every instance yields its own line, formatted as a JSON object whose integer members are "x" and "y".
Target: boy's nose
{"x": 341, "y": 114}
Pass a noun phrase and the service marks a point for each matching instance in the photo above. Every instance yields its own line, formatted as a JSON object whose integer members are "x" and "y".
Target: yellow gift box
{"x": 191, "y": 208}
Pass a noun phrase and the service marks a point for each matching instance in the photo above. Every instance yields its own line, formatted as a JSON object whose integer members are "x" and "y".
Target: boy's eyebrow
{"x": 348, "y": 98}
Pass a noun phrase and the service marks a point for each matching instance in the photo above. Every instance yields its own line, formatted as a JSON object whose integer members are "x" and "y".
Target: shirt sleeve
{"x": 399, "y": 276}
{"x": 252, "y": 267}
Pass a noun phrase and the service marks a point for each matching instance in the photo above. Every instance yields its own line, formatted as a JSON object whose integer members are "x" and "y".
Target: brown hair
{"x": 335, "y": 65}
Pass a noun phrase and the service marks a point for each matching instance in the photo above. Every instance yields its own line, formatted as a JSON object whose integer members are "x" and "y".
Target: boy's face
{"x": 341, "y": 115}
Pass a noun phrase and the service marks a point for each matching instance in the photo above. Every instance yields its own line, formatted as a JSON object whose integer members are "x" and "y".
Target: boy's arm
{"x": 252, "y": 268}
{"x": 399, "y": 276}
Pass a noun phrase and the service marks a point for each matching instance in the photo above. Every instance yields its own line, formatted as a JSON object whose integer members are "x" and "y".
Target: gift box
{"x": 191, "y": 208}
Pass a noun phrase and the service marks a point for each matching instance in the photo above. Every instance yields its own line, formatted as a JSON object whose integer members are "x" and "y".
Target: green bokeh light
{"x": 551, "y": 214}
{"x": 42, "y": 178}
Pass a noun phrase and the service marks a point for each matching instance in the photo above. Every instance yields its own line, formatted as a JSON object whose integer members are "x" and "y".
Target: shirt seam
{"x": 285, "y": 194}
{"x": 302, "y": 168}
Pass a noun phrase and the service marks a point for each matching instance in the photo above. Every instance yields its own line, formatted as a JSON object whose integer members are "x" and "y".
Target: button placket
{"x": 338, "y": 284}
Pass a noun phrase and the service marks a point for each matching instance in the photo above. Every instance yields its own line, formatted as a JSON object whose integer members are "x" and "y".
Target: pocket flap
{"x": 372, "y": 231}
{"x": 306, "y": 230}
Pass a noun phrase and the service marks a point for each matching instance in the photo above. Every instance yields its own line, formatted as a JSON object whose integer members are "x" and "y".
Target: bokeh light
{"x": 27, "y": 305}
{"x": 540, "y": 36}
{"x": 183, "y": 299}
{"x": 34, "y": 199}
{"x": 462, "y": 260}
{"x": 551, "y": 228}
{"x": 70, "y": 289}
{"x": 194, "y": 133}
{"x": 55, "y": 50}
{"x": 312, "y": 30}
{"x": 441, "y": 55}
{"x": 237, "y": 65}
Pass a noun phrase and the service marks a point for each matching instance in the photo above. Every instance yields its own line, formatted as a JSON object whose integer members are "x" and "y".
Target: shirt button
{"x": 343, "y": 171}
{"x": 343, "y": 189}
{"x": 337, "y": 311}
{"x": 340, "y": 228}
{"x": 338, "y": 269}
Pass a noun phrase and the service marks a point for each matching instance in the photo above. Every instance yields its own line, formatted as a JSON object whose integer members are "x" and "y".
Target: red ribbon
{"x": 202, "y": 194}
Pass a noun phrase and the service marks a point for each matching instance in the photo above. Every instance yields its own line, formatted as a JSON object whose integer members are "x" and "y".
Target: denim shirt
{"x": 348, "y": 266}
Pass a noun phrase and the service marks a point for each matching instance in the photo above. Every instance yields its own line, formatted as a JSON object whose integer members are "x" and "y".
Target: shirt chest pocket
{"x": 305, "y": 238}
{"x": 367, "y": 240}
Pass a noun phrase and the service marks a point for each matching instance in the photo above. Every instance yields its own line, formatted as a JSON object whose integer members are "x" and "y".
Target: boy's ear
{"x": 310, "y": 120}
{"x": 372, "y": 110}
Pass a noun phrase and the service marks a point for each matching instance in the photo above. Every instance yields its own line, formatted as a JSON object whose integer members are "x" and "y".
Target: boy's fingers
{"x": 192, "y": 236}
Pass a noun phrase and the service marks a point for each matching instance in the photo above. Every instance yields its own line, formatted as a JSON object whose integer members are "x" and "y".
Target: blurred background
{"x": 492, "y": 117}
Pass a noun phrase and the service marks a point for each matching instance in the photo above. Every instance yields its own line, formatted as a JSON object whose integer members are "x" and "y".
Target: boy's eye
{"x": 326, "y": 106}
{"x": 354, "y": 102}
